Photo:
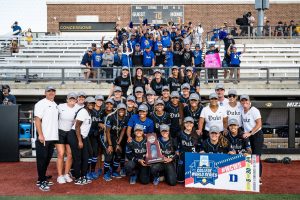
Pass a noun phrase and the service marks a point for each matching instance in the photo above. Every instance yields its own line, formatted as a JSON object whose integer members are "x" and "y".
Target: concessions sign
{"x": 87, "y": 26}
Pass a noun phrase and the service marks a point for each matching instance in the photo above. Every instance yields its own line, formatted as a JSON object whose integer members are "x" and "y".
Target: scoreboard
{"x": 157, "y": 14}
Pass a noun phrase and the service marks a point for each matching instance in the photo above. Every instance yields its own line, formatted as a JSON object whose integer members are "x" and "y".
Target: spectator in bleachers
{"x": 251, "y": 21}
{"x": 234, "y": 32}
{"x": 107, "y": 61}
{"x": 291, "y": 28}
{"x": 117, "y": 61}
{"x": 187, "y": 56}
{"x": 267, "y": 29}
{"x": 96, "y": 61}
{"x": 14, "y": 48}
{"x": 226, "y": 60}
{"x": 197, "y": 35}
{"x": 28, "y": 35}
{"x": 160, "y": 55}
{"x": 177, "y": 54}
{"x": 16, "y": 29}
{"x": 197, "y": 53}
{"x": 86, "y": 63}
{"x": 94, "y": 47}
{"x": 166, "y": 39}
{"x": 213, "y": 73}
{"x": 148, "y": 59}
{"x": 279, "y": 30}
{"x": 7, "y": 98}
{"x": 235, "y": 60}
{"x": 137, "y": 56}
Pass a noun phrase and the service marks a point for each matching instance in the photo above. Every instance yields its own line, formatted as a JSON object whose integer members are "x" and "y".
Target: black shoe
{"x": 49, "y": 183}
{"x": 44, "y": 187}
{"x": 78, "y": 181}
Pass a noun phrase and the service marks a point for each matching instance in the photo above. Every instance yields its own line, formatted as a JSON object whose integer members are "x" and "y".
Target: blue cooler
{"x": 24, "y": 132}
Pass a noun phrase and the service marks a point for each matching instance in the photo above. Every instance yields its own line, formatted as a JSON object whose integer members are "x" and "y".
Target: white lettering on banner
{"x": 293, "y": 104}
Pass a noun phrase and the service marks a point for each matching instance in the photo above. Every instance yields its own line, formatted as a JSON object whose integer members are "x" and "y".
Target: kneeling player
{"x": 136, "y": 153}
{"x": 168, "y": 147}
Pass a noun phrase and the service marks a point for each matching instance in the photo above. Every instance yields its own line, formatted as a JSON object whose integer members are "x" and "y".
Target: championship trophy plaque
{"x": 153, "y": 154}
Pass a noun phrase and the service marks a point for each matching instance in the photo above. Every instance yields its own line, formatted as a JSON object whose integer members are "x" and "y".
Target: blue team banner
{"x": 222, "y": 171}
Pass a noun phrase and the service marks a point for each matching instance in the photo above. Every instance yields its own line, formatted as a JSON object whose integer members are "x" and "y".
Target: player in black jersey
{"x": 193, "y": 109}
{"x": 94, "y": 138}
{"x": 139, "y": 96}
{"x": 115, "y": 129}
{"x": 192, "y": 79}
{"x": 166, "y": 95}
{"x": 117, "y": 96}
{"x": 235, "y": 136}
{"x": 184, "y": 97}
{"x": 216, "y": 143}
{"x": 175, "y": 80}
{"x": 159, "y": 116}
{"x": 158, "y": 82}
{"x": 168, "y": 148}
{"x": 139, "y": 80}
{"x": 131, "y": 109}
{"x": 136, "y": 153}
{"x": 150, "y": 95}
{"x": 175, "y": 109}
{"x": 188, "y": 141}
{"x": 122, "y": 81}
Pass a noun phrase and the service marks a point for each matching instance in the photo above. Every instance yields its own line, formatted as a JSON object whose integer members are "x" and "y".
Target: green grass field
{"x": 159, "y": 197}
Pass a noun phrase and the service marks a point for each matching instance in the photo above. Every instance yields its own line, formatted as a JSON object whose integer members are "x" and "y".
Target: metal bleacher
{"x": 54, "y": 52}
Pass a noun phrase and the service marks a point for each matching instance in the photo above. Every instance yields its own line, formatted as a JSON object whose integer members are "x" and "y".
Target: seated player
{"x": 216, "y": 143}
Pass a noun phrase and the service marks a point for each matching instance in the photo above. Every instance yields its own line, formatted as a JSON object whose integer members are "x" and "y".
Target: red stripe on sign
{"x": 232, "y": 167}
{"x": 189, "y": 180}
{"x": 257, "y": 159}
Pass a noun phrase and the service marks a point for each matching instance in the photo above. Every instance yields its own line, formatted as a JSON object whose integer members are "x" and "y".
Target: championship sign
{"x": 222, "y": 171}
{"x": 213, "y": 60}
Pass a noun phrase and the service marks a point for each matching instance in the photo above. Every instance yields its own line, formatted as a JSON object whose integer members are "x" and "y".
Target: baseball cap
{"x": 197, "y": 45}
{"x": 185, "y": 85}
{"x": 81, "y": 94}
{"x": 48, "y": 88}
{"x": 220, "y": 86}
{"x": 99, "y": 97}
{"x": 138, "y": 89}
{"x": 156, "y": 70}
{"x": 90, "y": 49}
{"x": 143, "y": 107}
{"x": 189, "y": 69}
{"x": 232, "y": 92}
{"x": 244, "y": 96}
{"x": 121, "y": 106}
{"x": 147, "y": 47}
{"x": 165, "y": 88}
{"x": 90, "y": 100}
{"x": 124, "y": 34}
{"x": 175, "y": 67}
{"x": 138, "y": 127}
{"x": 125, "y": 68}
{"x": 214, "y": 129}
{"x": 131, "y": 98}
{"x": 72, "y": 95}
{"x": 159, "y": 101}
{"x": 194, "y": 96}
{"x": 110, "y": 100}
{"x": 159, "y": 44}
{"x": 188, "y": 119}
{"x": 137, "y": 44}
{"x": 233, "y": 122}
{"x": 175, "y": 94}
{"x": 150, "y": 92}
{"x": 117, "y": 88}
{"x": 164, "y": 127}
{"x": 213, "y": 96}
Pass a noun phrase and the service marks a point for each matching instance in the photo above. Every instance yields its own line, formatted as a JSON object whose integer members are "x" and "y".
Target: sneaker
{"x": 107, "y": 177}
{"x": 156, "y": 181}
{"x": 38, "y": 183}
{"x": 67, "y": 178}
{"x": 44, "y": 187}
{"x": 89, "y": 176}
{"x": 99, "y": 172}
{"x": 78, "y": 181}
{"x": 94, "y": 175}
{"x": 61, "y": 179}
{"x": 123, "y": 172}
{"x": 85, "y": 180}
{"x": 132, "y": 180}
{"x": 116, "y": 175}
{"x": 49, "y": 183}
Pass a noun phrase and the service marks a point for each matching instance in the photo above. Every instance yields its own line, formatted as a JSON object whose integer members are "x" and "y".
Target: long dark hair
{"x": 135, "y": 78}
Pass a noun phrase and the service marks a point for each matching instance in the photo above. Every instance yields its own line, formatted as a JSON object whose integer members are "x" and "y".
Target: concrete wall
{"x": 208, "y": 14}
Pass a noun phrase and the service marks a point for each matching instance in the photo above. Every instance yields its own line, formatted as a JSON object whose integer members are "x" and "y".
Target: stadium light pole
{"x": 261, "y": 6}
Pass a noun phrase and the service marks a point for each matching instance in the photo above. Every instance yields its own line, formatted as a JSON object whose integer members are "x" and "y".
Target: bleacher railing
{"x": 252, "y": 32}
{"x": 30, "y": 74}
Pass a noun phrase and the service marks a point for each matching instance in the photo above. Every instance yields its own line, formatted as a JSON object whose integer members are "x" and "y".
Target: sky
{"x": 29, "y": 14}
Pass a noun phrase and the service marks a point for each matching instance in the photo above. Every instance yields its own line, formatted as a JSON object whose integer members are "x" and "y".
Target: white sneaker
{"x": 61, "y": 180}
{"x": 68, "y": 179}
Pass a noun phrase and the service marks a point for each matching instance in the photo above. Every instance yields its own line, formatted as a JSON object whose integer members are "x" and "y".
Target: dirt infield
{"x": 19, "y": 179}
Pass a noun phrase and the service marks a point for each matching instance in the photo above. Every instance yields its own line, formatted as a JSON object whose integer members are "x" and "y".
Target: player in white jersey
{"x": 220, "y": 90}
{"x": 213, "y": 114}
{"x": 234, "y": 108}
{"x": 252, "y": 125}
{"x": 66, "y": 114}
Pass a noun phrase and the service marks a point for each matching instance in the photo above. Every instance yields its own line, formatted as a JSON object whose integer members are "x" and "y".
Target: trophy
{"x": 153, "y": 154}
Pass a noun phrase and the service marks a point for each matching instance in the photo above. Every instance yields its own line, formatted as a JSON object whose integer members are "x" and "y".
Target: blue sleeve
{"x": 131, "y": 121}
{"x": 151, "y": 126}
{"x": 152, "y": 55}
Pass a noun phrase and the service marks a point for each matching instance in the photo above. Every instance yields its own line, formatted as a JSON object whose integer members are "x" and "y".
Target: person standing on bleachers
{"x": 16, "y": 28}
{"x": 86, "y": 63}
{"x": 96, "y": 62}
{"x": 108, "y": 60}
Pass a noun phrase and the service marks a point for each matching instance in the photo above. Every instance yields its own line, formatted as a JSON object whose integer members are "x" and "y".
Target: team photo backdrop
{"x": 222, "y": 171}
